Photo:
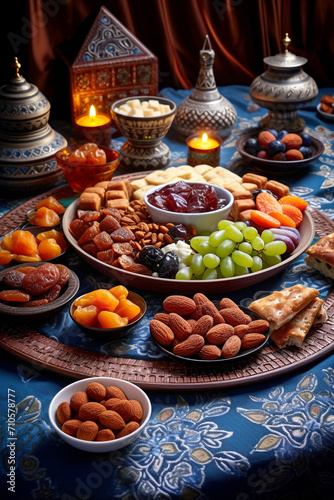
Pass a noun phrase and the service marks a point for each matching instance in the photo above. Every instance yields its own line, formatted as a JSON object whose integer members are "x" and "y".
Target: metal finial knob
{"x": 286, "y": 42}
{"x": 16, "y": 65}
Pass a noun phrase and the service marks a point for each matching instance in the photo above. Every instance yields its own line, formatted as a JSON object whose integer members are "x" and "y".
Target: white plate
{"x": 166, "y": 285}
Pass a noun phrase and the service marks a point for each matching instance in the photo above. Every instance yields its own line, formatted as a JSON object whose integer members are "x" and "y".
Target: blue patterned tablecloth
{"x": 270, "y": 440}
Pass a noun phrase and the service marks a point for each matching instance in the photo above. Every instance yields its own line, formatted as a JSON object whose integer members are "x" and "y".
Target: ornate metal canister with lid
{"x": 205, "y": 110}
{"x": 27, "y": 141}
{"x": 283, "y": 89}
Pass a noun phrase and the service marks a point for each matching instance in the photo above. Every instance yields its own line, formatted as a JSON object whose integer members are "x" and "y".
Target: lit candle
{"x": 95, "y": 127}
{"x": 204, "y": 150}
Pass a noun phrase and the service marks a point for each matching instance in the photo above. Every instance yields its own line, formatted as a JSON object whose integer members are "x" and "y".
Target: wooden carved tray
{"x": 77, "y": 363}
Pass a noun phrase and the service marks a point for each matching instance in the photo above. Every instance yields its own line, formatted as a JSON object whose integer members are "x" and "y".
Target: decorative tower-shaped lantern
{"x": 283, "y": 89}
{"x": 205, "y": 110}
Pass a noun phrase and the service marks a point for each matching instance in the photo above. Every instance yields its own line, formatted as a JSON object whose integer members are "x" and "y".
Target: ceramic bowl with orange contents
{"x": 115, "y": 312}
{"x": 84, "y": 165}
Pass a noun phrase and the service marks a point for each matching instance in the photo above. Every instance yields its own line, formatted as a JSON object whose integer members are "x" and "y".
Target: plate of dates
{"x": 36, "y": 289}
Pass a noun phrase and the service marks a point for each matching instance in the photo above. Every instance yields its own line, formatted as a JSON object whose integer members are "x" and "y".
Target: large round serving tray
{"x": 156, "y": 284}
{"x": 76, "y": 363}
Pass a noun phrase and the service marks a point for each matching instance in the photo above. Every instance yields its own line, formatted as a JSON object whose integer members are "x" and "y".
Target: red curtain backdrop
{"x": 242, "y": 33}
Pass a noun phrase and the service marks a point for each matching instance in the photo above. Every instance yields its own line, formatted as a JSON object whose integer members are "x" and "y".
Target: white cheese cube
{"x": 164, "y": 108}
{"x": 148, "y": 112}
{"x": 126, "y": 108}
{"x": 154, "y": 104}
{"x": 134, "y": 103}
{"x": 144, "y": 104}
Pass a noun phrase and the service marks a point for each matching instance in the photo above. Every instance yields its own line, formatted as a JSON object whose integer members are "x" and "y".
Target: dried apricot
{"x": 52, "y": 203}
{"x": 126, "y": 308}
{"x": 45, "y": 217}
{"x": 13, "y": 278}
{"x": 53, "y": 233}
{"x": 49, "y": 249}
{"x": 285, "y": 220}
{"x": 263, "y": 219}
{"x": 6, "y": 256}
{"x": 100, "y": 298}
{"x": 14, "y": 296}
{"x": 108, "y": 319}
{"x": 86, "y": 315}
{"x": 119, "y": 291}
{"x": 64, "y": 274}
{"x": 41, "y": 279}
{"x": 295, "y": 201}
{"x": 266, "y": 202}
{"x": 22, "y": 242}
{"x": 294, "y": 213}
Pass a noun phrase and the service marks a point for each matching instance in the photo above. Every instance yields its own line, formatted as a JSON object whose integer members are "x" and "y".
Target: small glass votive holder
{"x": 203, "y": 151}
{"x": 99, "y": 134}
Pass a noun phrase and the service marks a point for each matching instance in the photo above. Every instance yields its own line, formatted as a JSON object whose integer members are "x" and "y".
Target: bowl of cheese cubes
{"x": 144, "y": 119}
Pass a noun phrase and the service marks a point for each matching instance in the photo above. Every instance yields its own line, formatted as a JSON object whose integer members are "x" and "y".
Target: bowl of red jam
{"x": 85, "y": 165}
{"x": 197, "y": 204}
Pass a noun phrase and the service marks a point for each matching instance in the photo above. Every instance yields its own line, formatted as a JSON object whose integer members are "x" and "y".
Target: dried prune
{"x": 41, "y": 279}
{"x": 151, "y": 257}
{"x": 14, "y": 296}
{"x": 169, "y": 265}
{"x": 13, "y": 278}
{"x": 181, "y": 232}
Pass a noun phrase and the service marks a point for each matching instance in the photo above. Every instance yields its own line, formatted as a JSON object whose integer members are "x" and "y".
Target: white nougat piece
{"x": 126, "y": 108}
{"x": 137, "y": 112}
{"x": 133, "y": 103}
{"x": 154, "y": 104}
{"x": 148, "y": 112}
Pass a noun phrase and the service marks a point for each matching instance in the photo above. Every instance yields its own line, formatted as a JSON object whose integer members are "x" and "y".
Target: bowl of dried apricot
{"x": 100, "y": 414}
{"x": 115, "y": 312}
{"x": 35, "y": 244}
{"x": 87, "y": 164}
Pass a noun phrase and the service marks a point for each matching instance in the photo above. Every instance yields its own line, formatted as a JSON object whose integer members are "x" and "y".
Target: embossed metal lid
{"x": 25, "y": 134}
{"x": 286, "y": 59}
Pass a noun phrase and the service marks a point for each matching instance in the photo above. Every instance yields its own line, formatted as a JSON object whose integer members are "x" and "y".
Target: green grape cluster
{"x": 235, "y": 249}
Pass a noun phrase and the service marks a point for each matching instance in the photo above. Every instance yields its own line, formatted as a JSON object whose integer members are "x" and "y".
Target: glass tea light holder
{"x": 95, "y": 127}
{"x": 203, "y": 149}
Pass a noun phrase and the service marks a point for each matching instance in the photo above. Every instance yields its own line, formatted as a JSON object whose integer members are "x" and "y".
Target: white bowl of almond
{"x": 100, "y": 414}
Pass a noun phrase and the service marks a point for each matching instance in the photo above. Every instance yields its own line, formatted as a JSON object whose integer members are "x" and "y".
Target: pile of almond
{"x": 195, "y": 327}
{"x": 99, "y": 414}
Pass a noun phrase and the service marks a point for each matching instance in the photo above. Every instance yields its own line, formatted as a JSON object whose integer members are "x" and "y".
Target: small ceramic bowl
{"x": 205, "y": 222}
{"x": 130, "y": 390}
{"x": 114, "y": 333}
{"x": 143, "y": 129}
{"x": 36, "y": 313}
{"x": 81, "y": 176}
{"x": 36, "y": 230}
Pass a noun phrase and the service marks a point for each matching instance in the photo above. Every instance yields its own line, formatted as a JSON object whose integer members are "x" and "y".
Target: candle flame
{"x": 204, "y": 138}
{"x": 92, "y": 111}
